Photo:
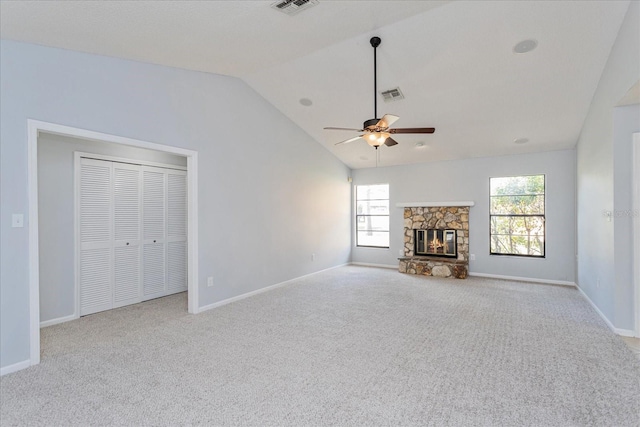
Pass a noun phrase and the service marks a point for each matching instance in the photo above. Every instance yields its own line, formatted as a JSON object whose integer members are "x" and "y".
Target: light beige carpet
{"x": 352, "y": 346}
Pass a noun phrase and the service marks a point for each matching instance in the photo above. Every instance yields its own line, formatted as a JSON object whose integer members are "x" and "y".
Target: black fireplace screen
{"x": 436, "y": 242}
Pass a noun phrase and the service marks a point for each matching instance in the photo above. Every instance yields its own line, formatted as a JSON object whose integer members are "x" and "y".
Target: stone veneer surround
{"x": 442, "y": 218}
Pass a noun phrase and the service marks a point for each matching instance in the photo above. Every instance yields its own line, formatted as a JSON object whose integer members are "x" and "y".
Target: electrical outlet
{"x": 209, "y": 281}
{"x": 598, "y": 283}
{"x": 313, "y": 257}
{"x": 472, "y": 257}
{"x": 17, "y": 220}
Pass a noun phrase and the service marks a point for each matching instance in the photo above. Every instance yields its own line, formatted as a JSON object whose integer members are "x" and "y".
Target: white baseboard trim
{"x": 625, "y": 332}
{"x": 368, "y": 264}
{"x": 52, "y": 322}
{"x": 618, "y": 331}
{"x": 525, "y": 279}
{"x": 15, "y": 367}
{"x": 261, "y": 290}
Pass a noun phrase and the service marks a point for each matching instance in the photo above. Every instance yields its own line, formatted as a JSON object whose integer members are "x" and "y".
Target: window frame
{"x": 543, "y": 216}
{"x": 357, "y": 216}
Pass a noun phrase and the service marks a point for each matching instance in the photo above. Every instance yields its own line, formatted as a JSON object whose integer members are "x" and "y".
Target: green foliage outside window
{"x": 517, "y": 215}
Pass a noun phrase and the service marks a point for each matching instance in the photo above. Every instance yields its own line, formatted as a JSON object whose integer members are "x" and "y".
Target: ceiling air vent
{"x": 392, "y": 95}
{"x": 291, "y": 7}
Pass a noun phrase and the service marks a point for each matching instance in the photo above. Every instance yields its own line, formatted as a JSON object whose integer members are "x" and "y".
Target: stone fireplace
{"x": 436, "y": 240}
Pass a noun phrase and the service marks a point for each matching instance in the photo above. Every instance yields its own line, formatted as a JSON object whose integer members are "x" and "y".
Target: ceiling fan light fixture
{"x": 376, "y": 139}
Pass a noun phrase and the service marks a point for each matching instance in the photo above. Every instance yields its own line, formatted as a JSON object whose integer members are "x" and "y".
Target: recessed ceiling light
{"x": 306, "y": 102}
{"x": 525, "y": 46}
{"x": 420, "y": 145}
{"x": 521, "y": 141}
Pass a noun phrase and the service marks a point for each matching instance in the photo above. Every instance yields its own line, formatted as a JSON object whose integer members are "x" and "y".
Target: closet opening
{"x": 112, "y": 223}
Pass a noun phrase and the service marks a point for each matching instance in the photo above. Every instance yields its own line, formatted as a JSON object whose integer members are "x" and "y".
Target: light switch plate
{"x": 17, "y": 220}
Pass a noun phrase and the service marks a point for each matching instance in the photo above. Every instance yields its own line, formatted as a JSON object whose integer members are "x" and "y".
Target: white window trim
{"x": 355, "y": 216}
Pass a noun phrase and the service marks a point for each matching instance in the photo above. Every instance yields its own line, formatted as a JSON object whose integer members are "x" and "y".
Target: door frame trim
{"x": 34, "y": 127}
{"x": 636, "y": 226}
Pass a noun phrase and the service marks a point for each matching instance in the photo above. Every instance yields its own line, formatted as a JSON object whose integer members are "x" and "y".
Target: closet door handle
{"x": 127, "y": 243}
{"x": 154, "y": 241}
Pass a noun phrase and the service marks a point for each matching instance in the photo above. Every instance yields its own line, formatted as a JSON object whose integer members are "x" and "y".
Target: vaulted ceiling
{"x": 453, "y": 60}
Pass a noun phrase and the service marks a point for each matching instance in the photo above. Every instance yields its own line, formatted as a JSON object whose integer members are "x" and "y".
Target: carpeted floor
{"x": 352, "y": 346}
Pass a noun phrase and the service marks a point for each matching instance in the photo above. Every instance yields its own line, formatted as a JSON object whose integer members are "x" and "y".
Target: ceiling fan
{"x": 377, "y": 132}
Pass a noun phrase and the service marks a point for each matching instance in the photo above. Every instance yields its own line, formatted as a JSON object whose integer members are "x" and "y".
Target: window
{"x": 372, "y": 215}
{"x": 517, "y": 215}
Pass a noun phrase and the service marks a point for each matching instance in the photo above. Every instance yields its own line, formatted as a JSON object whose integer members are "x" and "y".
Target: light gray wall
{"x": 468, "y": 180}
{"x": 262, "y": 180}
{"x": 601, "y": 150}
{"x": 56, "y": 212}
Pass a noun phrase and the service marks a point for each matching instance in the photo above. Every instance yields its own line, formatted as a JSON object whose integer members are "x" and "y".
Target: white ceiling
{"x": 454, "y": 62}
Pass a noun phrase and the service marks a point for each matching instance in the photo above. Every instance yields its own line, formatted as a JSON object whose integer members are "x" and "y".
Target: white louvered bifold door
{"x": 176, "y": 231}
{"x": 127, "y": 272}
{"x": 153, "y": 232}
{"x": 95, "y": 234}
{"x": 133, "y": 233}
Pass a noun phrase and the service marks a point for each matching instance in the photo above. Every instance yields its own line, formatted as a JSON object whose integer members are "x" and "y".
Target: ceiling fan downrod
{"x": 375, "y": 42}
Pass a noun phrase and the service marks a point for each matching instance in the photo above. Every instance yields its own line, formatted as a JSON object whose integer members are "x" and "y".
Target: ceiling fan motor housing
{"x": 370, "y": 123}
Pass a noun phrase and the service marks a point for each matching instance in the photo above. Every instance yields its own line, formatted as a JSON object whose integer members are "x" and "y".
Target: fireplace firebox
{"x": 435, "y": 242}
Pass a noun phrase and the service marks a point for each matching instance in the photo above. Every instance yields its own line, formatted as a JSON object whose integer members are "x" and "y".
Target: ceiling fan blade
{"x": 390, "y": 142}
{"x": 387, "y": 120}
{"x": 355, "y": 130}
{"x": 348, "y": 140}
{"x": 412, "y": 130}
